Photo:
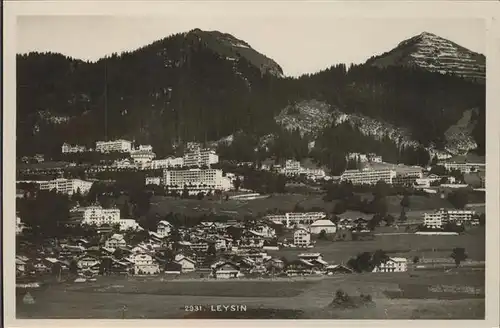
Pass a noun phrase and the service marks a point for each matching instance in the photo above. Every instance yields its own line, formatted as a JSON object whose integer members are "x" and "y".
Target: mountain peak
{"x": 436, "y": 54}
{"x": 231, "y": 47}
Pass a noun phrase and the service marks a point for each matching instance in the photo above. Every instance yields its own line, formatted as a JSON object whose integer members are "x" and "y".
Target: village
{"x": 231, "y": 248}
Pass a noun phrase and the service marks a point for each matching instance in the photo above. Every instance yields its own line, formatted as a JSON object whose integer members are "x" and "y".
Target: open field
{"x": 284, "y": 202}
{"x": 406, "y": 245}
{"x": 291, "y": 298}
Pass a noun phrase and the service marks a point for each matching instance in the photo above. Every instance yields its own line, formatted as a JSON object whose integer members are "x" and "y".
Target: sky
{"x": 299, "y": 46}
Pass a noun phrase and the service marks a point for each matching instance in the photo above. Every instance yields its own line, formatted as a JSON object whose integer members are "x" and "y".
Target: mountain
{"x": 232, "y": 48}
{"x": 207, "y": 85}
{"x": 436, "y": 54}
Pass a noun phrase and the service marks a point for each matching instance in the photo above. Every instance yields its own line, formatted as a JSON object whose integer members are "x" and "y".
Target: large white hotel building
{"x": 120, "y": 145}
{"x": 368, "y": 176}
{"x": 167, "y": 162}
{"x": 464, "y": 167}
{"x": 442, "y": 216}
{"x": 198, "y": 157}
{"x": 66, "y": 186}
{"x": 96, "y": 215}
{"x": 195, "y": 180}
{"x": 67, "y": 148}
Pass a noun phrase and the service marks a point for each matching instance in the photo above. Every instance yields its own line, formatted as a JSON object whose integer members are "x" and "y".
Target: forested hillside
{"x": 200, "y": 86}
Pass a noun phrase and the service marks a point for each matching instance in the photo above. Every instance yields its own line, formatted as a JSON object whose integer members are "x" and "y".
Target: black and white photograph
{"x": 250, "y": 166}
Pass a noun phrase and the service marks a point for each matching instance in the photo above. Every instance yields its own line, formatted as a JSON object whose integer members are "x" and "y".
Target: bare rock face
{"x": 436, "y": 54}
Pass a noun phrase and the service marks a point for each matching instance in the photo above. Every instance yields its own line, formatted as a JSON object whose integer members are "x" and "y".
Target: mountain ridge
{"x": 199, "y": 86}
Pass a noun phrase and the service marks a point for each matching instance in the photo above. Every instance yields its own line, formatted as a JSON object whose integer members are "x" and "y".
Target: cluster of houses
{"x": 220, "y": 249}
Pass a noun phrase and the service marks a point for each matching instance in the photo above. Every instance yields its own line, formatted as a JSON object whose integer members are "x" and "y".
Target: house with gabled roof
{"x": 337, "y": 269}
{"x": 393, "y": 264}
{"x": 144, "y": 264}
{"x": 163, "y": 228}
{"x": 87, "y": 261}
{"x": 226, "y": 270}
{"x": 115, "y": 241}
{"x": 302, "y": 238}
{"x": 299, "y": 267}
{"x": 323, "y": 225}
{"x": 187, "y": 264}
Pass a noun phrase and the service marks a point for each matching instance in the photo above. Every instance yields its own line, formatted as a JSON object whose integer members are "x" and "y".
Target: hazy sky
{"x": 299, "y": 46}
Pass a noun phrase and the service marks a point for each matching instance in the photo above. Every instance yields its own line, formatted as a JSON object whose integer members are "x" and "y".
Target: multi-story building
{"x": 357, "y": 157}
{"x": 129, "y": 224}
{"x": 291, "y": 167}
{"x": 460, "y": 216}
{"x": 374, "y": 158}
{"x": 442, "y": 216}
{"x": 294, "y": 218}
{"x": 142, "y": 157}
{"x": 67, "y": 148}
{"x": 66, "y": 186}
{"x": 302, "y": 237}
{"x": 434, "y": 220}
{"x": 163, "y": 228}
{"x": 145, "y": 148}
{"x": 407, "y": 176}
{"x": 464, "y": 167}
{"x": 96, "y": 215}
{"x": 313, "y": 173}
{"x": 125, "y": 163}
{"x": 120, "y": 145}
{"x": 393, "y": 264}
{"x": 195, "y": 180}
{"x": 153, "y": 181}
{"x": 167, "y": 163}
{"x": 368, "y": 176}
{"x": 190, "y": 146}
{"x": 200, "y": 157}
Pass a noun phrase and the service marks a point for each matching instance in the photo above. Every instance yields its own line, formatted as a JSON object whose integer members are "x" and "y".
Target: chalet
{"x": 323, "y": 225}
{"x": 163, "y": 228}
{"x": 120, "y": 267}
{"x": 337, "y": 269}
{"x": 255, "y": 255}
{"x": 187, "y": 264}
{"x": 393, "y": 264}
{"x": 310, "y": 256}
{"x": 274, "y": 266}
{"x": 144, "y": 264}
{"x": 302, "y": 238}
{"x": 87, "y": 261}
{"x": 199, "y": 247}
{"x": 299, "y": 267}
{"x": 226, "y": 270}
{"x": 141, "y": 248}
{"x": 252, "y": 239}
{"x": 115, "y": 241}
